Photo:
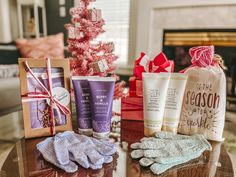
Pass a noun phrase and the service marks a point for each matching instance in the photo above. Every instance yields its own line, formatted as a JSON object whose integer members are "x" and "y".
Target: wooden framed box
{"x": 36, "y": 111}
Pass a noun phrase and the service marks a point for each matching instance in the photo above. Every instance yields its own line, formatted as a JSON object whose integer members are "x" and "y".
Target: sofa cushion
{"x": 49, "y": 46}
{"x": 7, "y": 71}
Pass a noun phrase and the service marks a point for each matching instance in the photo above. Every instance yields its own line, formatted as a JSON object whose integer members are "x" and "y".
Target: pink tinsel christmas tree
{"x": 90, "y": 57}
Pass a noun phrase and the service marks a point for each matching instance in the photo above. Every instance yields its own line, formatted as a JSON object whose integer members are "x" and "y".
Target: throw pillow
{"x": 49, "y": 46}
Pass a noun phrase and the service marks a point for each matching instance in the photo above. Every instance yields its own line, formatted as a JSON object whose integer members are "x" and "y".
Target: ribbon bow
{"x": 202, "y": 56}
{"x": 159, "y": 64}
{"x": 47, "y": 94}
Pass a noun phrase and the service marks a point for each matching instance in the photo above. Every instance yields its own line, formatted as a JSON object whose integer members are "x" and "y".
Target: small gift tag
{"x": 62, "y": 95}
{"x": 103, "y": 66}
{"x": 99, "y": 66}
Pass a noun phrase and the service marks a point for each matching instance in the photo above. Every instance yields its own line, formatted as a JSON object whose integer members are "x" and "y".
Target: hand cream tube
{"x": 174, "y": 99}
{"x": 82, "y": 102}
{"x": 154, "y": 96}
{"x": 102, "y": 91}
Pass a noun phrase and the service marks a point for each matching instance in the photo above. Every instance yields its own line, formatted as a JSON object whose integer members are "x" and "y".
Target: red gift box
{"x": 139, "y": 87}
{"x": 159, "y": 64}
{"x": 132, "y": 86}
{"x": 132, "y": 108}
{"x": 143, "y": 64}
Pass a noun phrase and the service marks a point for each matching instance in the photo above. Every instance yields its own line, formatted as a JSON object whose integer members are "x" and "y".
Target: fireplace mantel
{"x": 154, "y": 16}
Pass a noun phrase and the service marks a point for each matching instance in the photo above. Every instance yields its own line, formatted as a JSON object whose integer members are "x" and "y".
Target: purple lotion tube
{"x": 82, "y": 102}
{"x": 101, "y": 94}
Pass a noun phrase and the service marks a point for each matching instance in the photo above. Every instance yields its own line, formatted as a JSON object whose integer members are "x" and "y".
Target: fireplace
{"x": 176, "y": 44}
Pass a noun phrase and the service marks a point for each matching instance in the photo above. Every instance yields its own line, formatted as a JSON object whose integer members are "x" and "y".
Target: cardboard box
{"x": 36, "y": 108}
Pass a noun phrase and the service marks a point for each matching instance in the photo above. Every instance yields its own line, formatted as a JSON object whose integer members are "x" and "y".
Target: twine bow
{"x": 46, "y": 94}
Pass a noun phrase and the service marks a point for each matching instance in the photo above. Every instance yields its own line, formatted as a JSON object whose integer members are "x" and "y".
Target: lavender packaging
{"x": 37, "y": 109}
{"x": 102, "y": 91}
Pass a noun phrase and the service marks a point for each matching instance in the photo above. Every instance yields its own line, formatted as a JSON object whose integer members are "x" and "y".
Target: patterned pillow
{"x": 49, "y": 46}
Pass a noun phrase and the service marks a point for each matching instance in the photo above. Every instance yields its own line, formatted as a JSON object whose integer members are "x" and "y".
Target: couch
{"x": 9, "y": 86}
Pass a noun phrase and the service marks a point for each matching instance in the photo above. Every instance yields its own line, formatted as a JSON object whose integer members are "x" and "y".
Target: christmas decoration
{"x": 88, "y": 56}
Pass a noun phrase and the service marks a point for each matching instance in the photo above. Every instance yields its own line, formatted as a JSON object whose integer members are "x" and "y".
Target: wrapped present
{"x": 144, "y": 64}
{"x": 77, "y": 24}
{"x": 45, "y": 96}
{"x": 132, "y": 86}
{"x": 94, "y": 15}
{"x": 132, "y": 108}
{"x": 71, "y": 32}
{"x": 74, "y": 32}
{"x": 78, "y": 33}
{"x": 99, "y": 66}
{"x": 139, "y": 87}
{"x": 109, "y": 47}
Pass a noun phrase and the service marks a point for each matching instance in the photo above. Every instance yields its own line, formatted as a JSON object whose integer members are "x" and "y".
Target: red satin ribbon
{"x": 47, "y": 94}
{"x": 159, "y": 64}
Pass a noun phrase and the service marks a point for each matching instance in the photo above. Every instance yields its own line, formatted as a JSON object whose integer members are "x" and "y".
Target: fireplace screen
{"x": 176, "y": 44}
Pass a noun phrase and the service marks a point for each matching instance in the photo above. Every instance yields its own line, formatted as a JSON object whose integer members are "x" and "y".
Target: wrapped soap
{"x": 94, "y": 15}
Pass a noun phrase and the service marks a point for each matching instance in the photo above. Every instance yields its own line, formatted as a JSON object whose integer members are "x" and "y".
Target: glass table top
{"x": 25, "y": 160}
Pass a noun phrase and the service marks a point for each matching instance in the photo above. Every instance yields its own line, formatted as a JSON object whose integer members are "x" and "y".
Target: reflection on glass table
{"x": 25, "y": 160}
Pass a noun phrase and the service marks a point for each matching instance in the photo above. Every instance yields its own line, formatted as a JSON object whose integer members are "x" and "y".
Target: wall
{"x": 55, "y": 23}
{"x": 5, "y": 27}
{"x": 214, "y": 17}
{"x": 154, "y": 16}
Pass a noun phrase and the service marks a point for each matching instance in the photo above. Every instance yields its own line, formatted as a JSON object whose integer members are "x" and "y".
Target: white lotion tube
{"x": 154, "y": 97}
{"x": 174, "y": 99}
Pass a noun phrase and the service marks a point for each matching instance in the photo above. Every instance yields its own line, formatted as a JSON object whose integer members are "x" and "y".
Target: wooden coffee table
{"x": 25, "y": 160}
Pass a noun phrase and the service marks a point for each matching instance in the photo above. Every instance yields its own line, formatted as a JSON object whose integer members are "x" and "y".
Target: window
{"x": 116, "y": 16}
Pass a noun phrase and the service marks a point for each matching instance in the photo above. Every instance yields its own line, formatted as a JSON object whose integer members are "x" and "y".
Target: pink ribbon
{"x": 202, "y": 56}
{"x": 47, "y": 94}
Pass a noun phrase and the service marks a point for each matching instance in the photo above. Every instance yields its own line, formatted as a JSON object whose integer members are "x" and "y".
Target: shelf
{"x": 39, "y": 3}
